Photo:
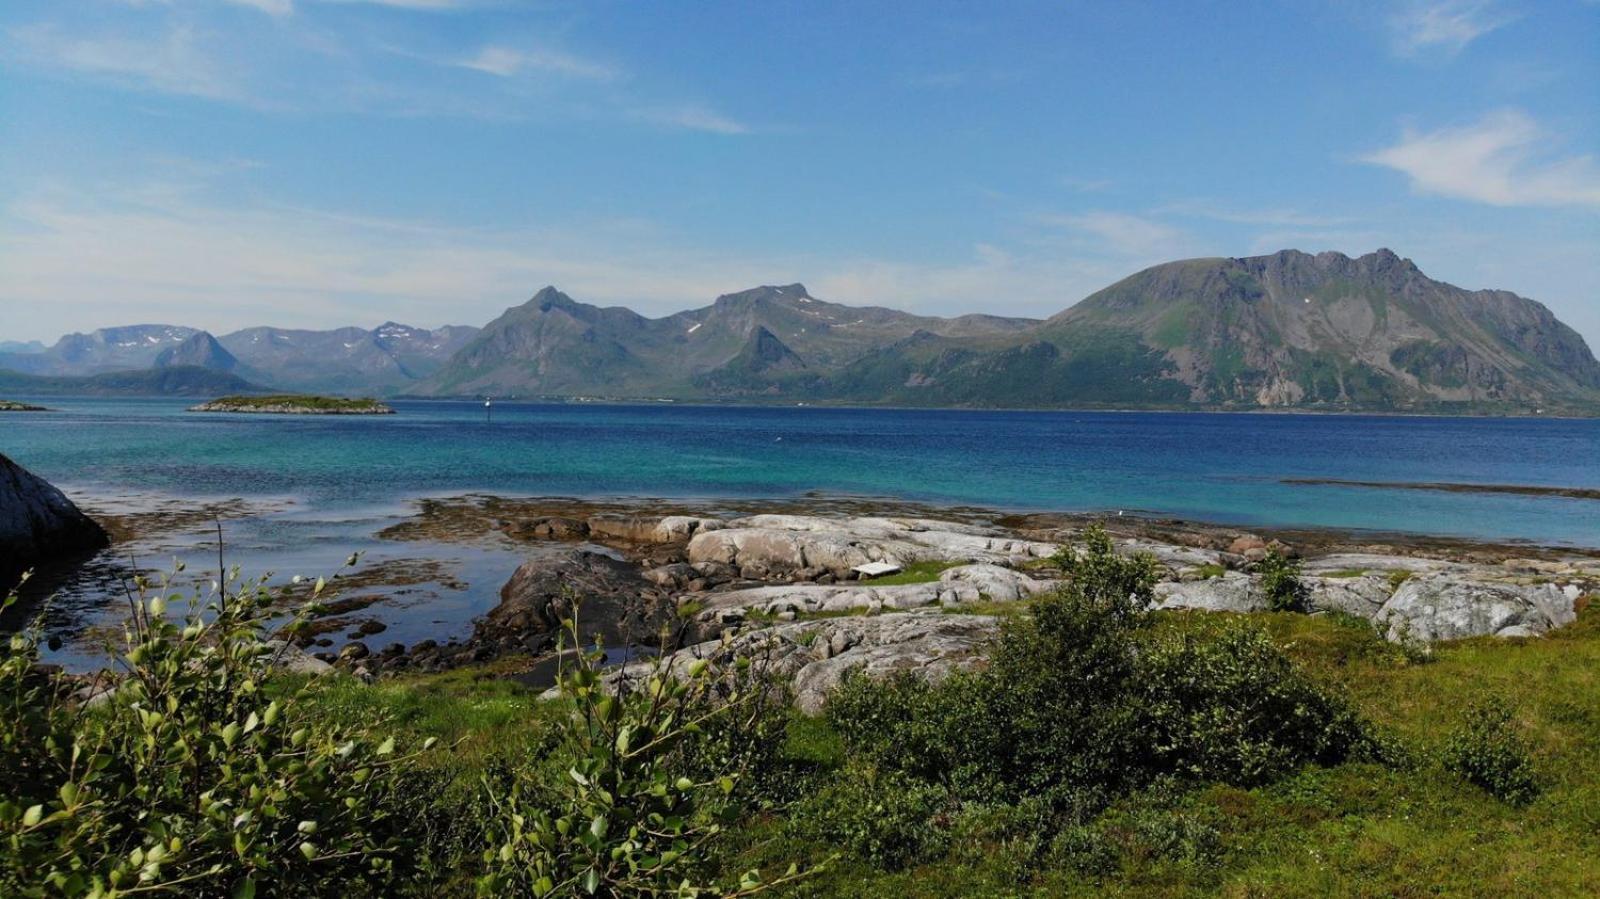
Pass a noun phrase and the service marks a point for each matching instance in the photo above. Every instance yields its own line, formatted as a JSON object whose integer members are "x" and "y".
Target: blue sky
{"x": 326, "y": 162}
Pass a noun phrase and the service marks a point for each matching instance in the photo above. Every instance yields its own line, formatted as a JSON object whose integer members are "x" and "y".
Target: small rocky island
{"x": 10, "y": 406}
{"x": 295, "y": 404}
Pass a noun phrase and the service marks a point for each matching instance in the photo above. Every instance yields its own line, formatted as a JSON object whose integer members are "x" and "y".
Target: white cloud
{"x": 421, "y": 5}
{"x": 270, "y": 7}
{"x": 506, "y": 63}
{"x": 79, "y": 258}
{"x": 1123, "y": 234}
{"x": 1448, "y": 25}
{"x": 1274, "y": 217}
{"x": 1493, "y": 161}
{"x": 173, "y": 62}
{"x": 691, "y": 117}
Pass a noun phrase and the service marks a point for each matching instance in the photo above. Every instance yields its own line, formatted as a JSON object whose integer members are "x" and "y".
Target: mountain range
{"x": 1287, "y": 330}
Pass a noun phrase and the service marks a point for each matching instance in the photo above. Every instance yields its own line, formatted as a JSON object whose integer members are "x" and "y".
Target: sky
{"x": 317, "y": 163}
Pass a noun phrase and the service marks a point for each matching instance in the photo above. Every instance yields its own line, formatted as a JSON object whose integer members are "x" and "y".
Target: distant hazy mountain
{"x": 1287, "y": 330}
{"x": 17, "y": 346}
{"x": 388, "y": 359}
{"x": 180, "y": 380}
{"x": 108, "y": 349}
{"x": 554, "y": 345}
{"x": 201, "y": 350}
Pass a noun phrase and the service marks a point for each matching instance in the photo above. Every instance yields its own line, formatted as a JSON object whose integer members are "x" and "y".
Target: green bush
{"x": 642, "y": 798}
{"x": 1280, "y": 580}
{"x": 1232, "y": 707}
{"x": 189, "y": 777}
{"x": 1487, "y": 751}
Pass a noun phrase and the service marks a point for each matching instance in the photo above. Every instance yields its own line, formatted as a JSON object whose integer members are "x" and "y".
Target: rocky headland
{"x": 294, "y": 405}
{"x": 38, "y": 524}
{"x": 12, "y": 406}
{"x": 654, "y": 578}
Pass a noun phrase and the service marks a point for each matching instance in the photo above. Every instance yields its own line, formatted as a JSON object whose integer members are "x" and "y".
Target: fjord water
{"x": 1228, "y": 468}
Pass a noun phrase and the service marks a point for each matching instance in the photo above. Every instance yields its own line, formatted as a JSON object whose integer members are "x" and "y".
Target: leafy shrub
{"x": 1487, "y": 751}
{"x": 886, "y": 818}
{"x": 1234, "y": 708}
{"x": 1280, "y": 579}
{"x": 642, "y": 798}
{"x": 188, "y": 777}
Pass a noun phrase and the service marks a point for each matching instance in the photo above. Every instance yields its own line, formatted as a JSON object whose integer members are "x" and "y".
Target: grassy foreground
{"x": 1355, "y": 829}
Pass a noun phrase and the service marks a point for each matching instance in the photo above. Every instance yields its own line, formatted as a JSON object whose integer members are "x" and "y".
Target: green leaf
{"x": 386, "y": 747}
{"x": 309, "y": 850}
{"x": 33, "y": 816}
{"x": 591, "y": 881}
{"x": 245, "y": 888}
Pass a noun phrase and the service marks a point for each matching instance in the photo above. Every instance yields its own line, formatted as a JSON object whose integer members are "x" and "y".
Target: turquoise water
{"x": 1217, "y": 467}
{"x": 318, "y": 488}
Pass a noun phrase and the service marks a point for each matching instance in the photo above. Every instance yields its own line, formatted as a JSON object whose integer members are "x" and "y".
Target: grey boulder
{"x": 1447, "y": 607}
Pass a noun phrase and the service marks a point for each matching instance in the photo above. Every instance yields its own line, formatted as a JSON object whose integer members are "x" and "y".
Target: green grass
{"x": 915, "y": 573}
{"x": 1344, "y": 573}
{"x": 1358, "y": 829}
{"x": 1210, "y": 570}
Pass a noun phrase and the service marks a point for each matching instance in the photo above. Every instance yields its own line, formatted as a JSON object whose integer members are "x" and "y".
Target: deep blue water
{"x": 1218, "y": 467}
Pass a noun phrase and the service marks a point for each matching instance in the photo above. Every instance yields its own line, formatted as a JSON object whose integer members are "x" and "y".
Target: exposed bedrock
{"x": 962, "y": 585}
{"x": 813, "y": 657}
{"x": 764, "y": 545}
{"x": 1449, "y": 607}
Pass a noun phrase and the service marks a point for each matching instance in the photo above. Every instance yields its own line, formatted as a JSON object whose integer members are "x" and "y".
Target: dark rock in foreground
{"x": 38, "y": 523}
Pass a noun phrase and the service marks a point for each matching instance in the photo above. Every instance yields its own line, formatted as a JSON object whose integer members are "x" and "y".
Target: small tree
{"x": 1280, "y": 580}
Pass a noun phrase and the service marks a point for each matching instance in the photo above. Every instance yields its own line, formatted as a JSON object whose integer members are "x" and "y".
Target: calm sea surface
{"x": 319, "y": 488}
{"x": 1218, "y": 467}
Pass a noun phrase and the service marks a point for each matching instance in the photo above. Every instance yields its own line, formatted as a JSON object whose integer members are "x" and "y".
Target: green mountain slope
{"x": 1288, "y": 330}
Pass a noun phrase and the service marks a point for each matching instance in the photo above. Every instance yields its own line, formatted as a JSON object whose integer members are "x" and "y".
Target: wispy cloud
{"x": 1447, "y": 25}
{"x": 507, "y": 63}
{"x": 691, "y": 117}
{"x": 270, "y": 7}
{"x": 1496, "y": 161}
{"x": 1122, "y": 233}
{"x": 173, "y": 62}
{"x": 422, "y": 5}
{"x": 1273, "y": 217}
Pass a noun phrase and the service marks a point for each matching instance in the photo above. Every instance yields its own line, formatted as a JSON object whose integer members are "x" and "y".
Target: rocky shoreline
{"x": 12, "y": 406}
{"x": 690, "y": 580}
